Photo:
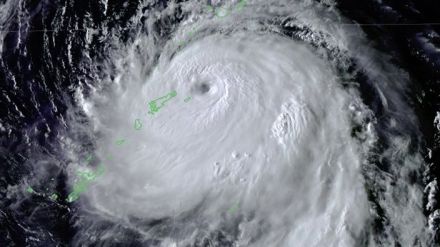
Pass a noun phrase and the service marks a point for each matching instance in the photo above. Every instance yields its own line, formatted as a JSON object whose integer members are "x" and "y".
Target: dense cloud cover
{"x": 234, "y": 123}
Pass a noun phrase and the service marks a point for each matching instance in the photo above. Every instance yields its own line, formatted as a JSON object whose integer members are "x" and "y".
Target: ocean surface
{"x": 220, "y": 123}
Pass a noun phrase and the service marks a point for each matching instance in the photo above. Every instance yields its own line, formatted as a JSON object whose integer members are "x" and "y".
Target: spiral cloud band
{"x": 269, "y": 126}
{"x": 244, "y": 123}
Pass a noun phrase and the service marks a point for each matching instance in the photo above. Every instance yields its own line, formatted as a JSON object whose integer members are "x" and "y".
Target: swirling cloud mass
{"x": 248, "y": 123}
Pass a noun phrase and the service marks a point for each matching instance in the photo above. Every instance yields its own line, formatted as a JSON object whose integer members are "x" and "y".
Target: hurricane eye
{"x": 202, "y": 88}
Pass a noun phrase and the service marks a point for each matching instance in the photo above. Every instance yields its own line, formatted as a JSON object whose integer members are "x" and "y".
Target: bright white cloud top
{"x": 275, "y": 124}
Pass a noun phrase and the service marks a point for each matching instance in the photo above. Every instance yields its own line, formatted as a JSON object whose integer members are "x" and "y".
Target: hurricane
{"x": 212, "y": 123}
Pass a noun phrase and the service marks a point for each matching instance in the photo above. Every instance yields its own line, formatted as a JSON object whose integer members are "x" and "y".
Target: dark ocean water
{"x": 52, "y": 49}
{"x": 412, "y": 48}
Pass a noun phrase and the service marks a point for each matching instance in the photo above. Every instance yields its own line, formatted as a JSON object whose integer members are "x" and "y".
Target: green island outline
{"x": 153, "y": 106}
{"x": 239, "y": 6}
{"x": 53, "y": 197}
{"x": 86, "y": 177}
